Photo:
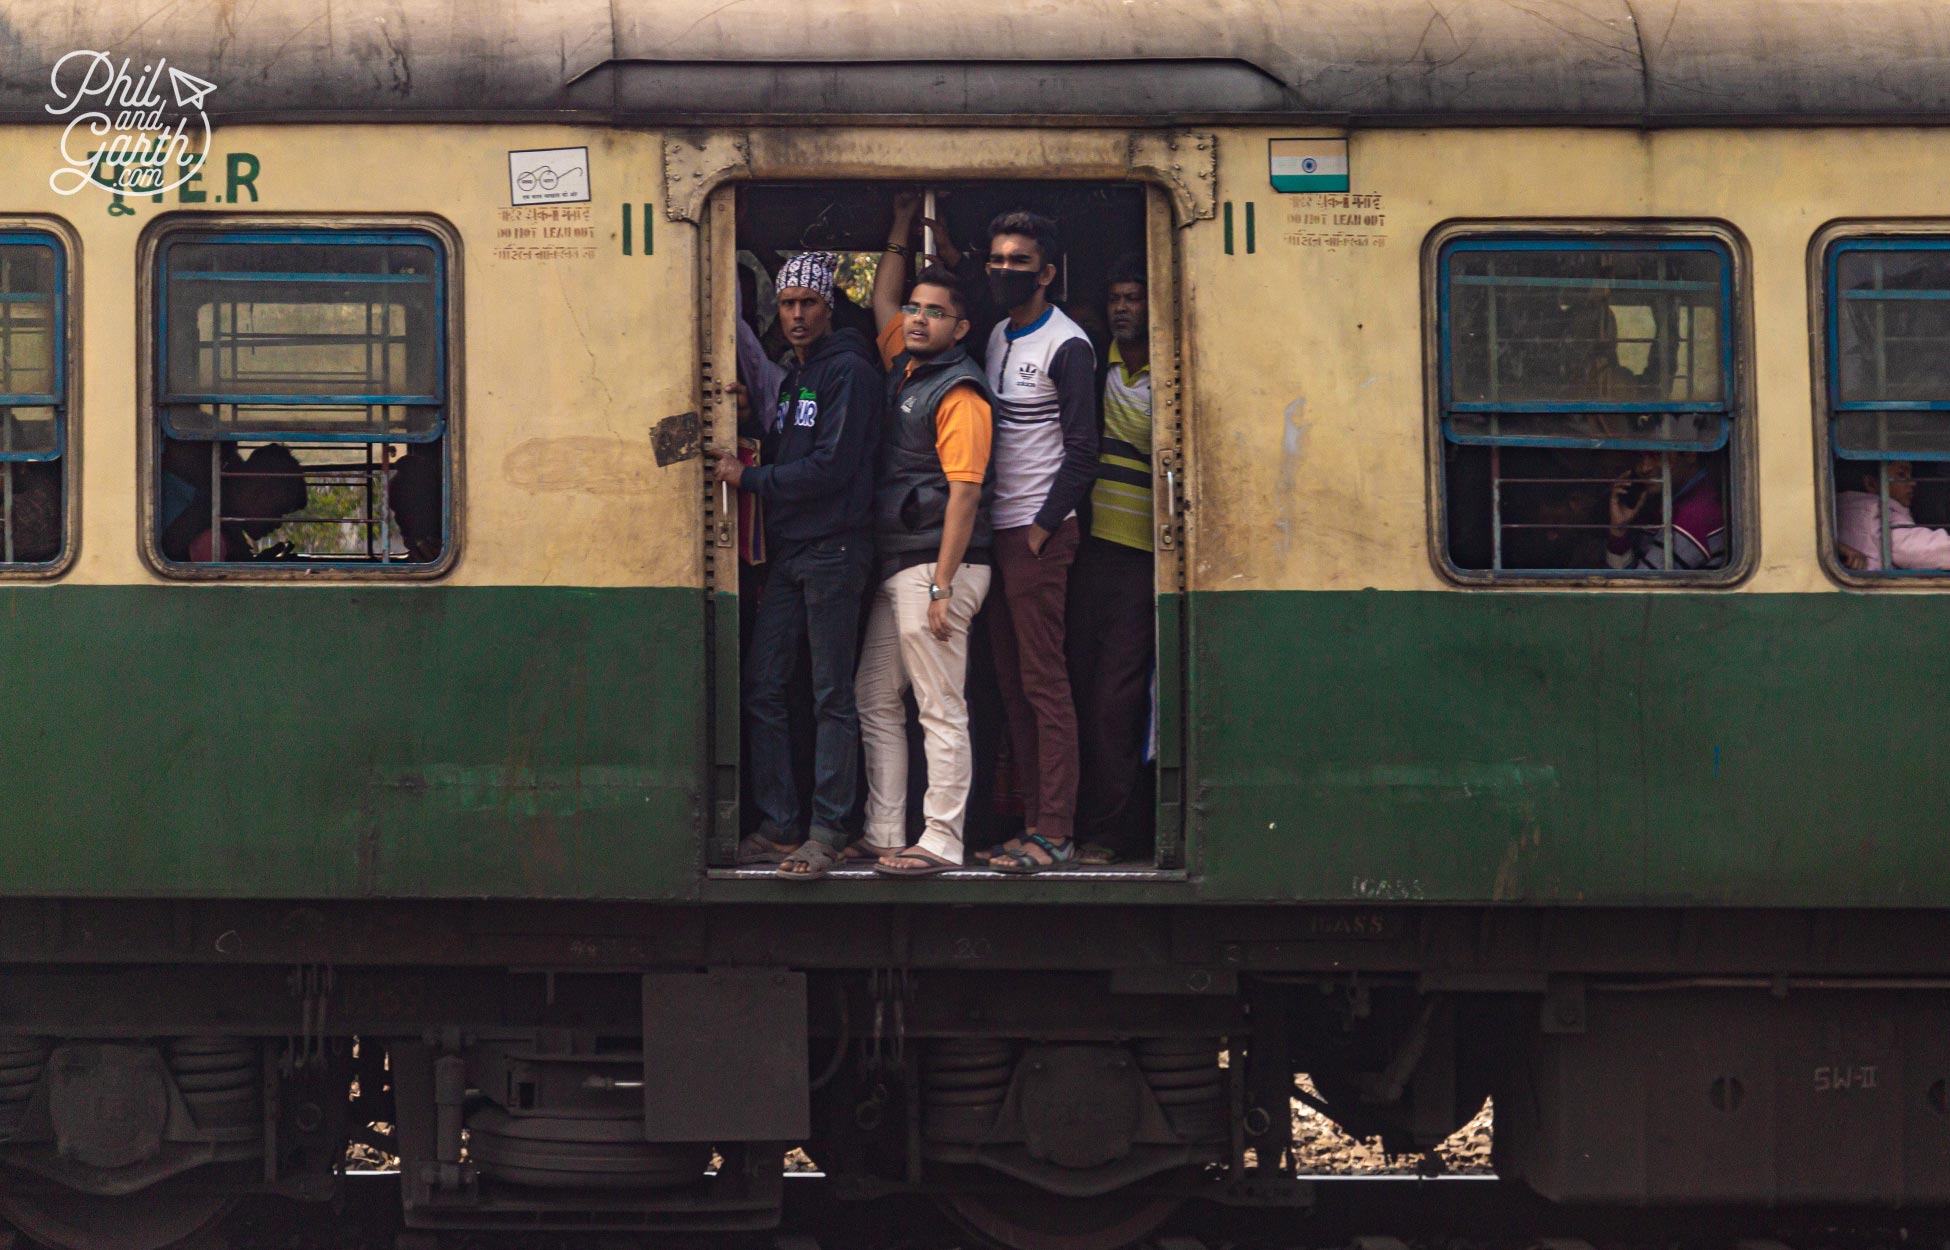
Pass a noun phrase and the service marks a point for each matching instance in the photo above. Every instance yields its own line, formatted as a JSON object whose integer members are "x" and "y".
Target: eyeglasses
{"x": 930, "y": 312}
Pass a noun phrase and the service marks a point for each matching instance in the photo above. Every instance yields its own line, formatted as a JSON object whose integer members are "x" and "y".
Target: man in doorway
{"x": 816, "y": 483}
{"x": 1042, "y": 376}
{"x": 1113, "y": 622}
{"x": 931, "y": 529}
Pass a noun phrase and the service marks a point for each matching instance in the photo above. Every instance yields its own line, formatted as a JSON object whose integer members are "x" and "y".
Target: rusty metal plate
{"x": 675, "y": 439}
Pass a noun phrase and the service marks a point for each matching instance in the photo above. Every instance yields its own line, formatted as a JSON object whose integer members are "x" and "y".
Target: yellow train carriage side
{"x": 1390, "y": 731}
{"x": 536, "y": 705}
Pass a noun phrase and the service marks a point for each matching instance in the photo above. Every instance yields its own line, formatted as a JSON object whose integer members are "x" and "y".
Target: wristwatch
{"x": 939, "y": 592}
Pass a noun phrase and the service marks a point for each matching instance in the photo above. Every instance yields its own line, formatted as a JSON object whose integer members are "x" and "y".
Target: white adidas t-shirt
{"x": 1028, "y": 415}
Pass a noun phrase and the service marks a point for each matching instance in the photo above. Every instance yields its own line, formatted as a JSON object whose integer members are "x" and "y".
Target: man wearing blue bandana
{"x": 816, "y": 481}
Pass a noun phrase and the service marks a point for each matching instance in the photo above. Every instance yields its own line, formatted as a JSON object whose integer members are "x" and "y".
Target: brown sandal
{"x": 818, "y": 858}
{"x": 754, "y": 849}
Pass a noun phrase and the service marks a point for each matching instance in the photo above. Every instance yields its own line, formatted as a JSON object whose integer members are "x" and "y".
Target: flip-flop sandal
{"x": 858, "y": 852}
{"x": 1022, "y": 863}
{"x": 756, "y": 850}
{"x": 934, "y": 865}
{"x": 1097, "y": 855}
{"x": 818, "y": 858}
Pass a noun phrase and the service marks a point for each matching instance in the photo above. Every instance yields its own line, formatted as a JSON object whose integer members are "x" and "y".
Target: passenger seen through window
{"x": 1888, "y": 401}
{"x": 1586, "y": 406}
{"x": 1871, "y": 508}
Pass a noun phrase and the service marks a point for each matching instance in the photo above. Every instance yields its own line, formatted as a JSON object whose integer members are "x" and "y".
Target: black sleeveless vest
{"x": 911, "y": 494}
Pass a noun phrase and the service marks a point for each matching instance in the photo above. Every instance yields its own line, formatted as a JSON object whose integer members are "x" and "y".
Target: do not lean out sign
{"x": 549, "y": 176}
{"x": 1308, "y": 164}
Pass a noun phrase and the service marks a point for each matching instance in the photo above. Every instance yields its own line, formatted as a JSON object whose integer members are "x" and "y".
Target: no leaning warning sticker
{"x": 1299, "y": 165}
{"x": 549, "y": 176}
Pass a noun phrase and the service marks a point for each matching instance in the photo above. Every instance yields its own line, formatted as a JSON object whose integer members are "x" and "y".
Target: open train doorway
{"x": 1073, "y": 644}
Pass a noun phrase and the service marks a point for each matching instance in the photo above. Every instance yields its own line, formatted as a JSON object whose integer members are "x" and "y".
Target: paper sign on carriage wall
{"x": 1308, "y": 164}
{"x": 549, "y": 176}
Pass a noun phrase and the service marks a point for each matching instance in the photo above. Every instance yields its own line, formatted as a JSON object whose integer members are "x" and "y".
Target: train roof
{"x": 1353, "y": 62}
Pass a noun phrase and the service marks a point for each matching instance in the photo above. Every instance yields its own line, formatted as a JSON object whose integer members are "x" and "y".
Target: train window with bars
{"x": 1587, "y": 407}
{"x": 1887, "y": 346}
{"x": 302, "y": 399}
{"x": 33, "y": 401}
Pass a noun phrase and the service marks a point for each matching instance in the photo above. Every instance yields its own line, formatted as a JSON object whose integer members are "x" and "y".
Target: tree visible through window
{"x": 303, "y": 399}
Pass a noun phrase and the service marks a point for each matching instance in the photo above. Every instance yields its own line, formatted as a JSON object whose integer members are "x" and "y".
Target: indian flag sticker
{"x": 1308, "y": 164}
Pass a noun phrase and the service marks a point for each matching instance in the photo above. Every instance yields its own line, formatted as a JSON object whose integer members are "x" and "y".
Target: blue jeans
{"x": 814, "y": 593}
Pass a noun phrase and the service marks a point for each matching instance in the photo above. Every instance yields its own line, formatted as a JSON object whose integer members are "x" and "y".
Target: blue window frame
{"x": 1887, "y": 366}
{"x": 302, "y": 397}
{"x": 1581, "y": 381}
{"x": 33, "y": 399}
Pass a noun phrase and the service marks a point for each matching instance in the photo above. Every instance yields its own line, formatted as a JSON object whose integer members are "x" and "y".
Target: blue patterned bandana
{"x": 811, "y": 270}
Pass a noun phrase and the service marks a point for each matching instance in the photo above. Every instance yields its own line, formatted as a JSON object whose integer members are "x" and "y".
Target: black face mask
{"x": 1012, "y": 288}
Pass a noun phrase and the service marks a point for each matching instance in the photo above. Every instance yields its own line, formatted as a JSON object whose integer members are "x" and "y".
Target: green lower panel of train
{"x": 1755, "y": 750}
{"x": 325, "y": 743}
{"x": 524, "y": 742}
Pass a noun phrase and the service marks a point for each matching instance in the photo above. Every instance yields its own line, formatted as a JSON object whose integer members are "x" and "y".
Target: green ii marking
{"x": 1251, "y": 242}
{"x": 648, "y": 230}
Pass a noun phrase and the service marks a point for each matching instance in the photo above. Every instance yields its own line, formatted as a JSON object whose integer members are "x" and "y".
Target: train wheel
{"x": 1029, "y": 1219}
{"x": 150, "y": 1220}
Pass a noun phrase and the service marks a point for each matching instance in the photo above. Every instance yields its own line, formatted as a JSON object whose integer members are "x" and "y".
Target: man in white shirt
{"x": 1042, "y": 373}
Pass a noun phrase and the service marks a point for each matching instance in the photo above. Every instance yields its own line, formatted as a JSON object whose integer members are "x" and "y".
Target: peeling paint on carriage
{"x": 580, "y": 464}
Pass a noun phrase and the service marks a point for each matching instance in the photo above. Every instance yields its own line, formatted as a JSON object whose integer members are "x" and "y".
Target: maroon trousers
{"x": 1026, "y": 634}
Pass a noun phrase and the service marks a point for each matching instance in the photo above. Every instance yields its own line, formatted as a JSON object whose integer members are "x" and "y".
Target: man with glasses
{"x": 1861, "y": 510}
{"x": 931, "y": 530}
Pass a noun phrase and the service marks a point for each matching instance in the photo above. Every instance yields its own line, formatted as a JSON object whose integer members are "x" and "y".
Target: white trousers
{"x": 900, "y": 654}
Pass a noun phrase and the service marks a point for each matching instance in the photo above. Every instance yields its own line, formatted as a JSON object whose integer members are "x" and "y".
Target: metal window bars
{"x": 33, "y": 410}
{"x": 327, "y": 344}
{"x": 1571, "y": 369}
{"x": 346, "y": 515}
{"x": 1887, "y": 345}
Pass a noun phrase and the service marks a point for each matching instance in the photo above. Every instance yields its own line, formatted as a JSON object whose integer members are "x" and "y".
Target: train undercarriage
{"x": 1042, "y": 1108}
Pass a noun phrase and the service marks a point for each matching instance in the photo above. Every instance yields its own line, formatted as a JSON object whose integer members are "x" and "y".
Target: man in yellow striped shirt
{"x": 1112, "y": 608}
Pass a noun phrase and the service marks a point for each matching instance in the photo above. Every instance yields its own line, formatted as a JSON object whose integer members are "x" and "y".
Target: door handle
{"x": 1168, "y": 515}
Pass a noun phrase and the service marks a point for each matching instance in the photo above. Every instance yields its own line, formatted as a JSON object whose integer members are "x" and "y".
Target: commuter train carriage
{"x": 1547, "y": 408}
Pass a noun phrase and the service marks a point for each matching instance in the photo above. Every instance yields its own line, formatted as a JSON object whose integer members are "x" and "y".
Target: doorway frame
{"x": 1177, "y": 170}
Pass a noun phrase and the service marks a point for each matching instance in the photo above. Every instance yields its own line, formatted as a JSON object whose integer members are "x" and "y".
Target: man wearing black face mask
{"x": 1042, "y": 372}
